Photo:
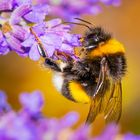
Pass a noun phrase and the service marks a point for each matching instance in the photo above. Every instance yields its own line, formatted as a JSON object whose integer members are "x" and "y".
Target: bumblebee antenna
{"x": 78, "y": 24}
{"x": 40, "y": 48}
{"x": 83, "y": 21}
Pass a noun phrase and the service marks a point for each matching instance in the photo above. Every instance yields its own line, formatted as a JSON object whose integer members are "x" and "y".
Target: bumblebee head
{"x": 94, "y": 37}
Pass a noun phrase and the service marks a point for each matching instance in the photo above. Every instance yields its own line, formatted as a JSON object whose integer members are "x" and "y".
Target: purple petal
{"x": 25, "y": 128}
{"x": 37, "y": 14}
{"x": 72, "y": 39}
{"x": 51, "y": 42}
{"x": 50, "y": 50}
{"x": 4, "y": 47}
{"x": 19, "y": 32}
{"x": 116, "y": 2}
{"x": 41, "y": 8}
{"x": 62, "y": 28}
{"x": 67, "y": 48}
{"x": 52, "y": 39}
{"x": 70, "y": 119}
{"x": 112, "y": 2}
{"x": 95, "y": 10}
{"x": 28, "y": 42}
{"x": 82, "y": 134}
{"x": 20, "y": 2}
{"x": 4, "y": 106}
{"x": 53, "y": 22}
{"x": 32, "y": 102}
{"x": 109, "y": 133}
{"x": 39, "y": 29}
{"x": 3, "y": 98}
{"x": 131, "y": 136}
{"x": 3, "y": 50}
{"x": 33, "y": 53}
{"x": 35, "y": 17}
{"x": 6, "y": 5}
{"x": 19, "y": 12}
{"x": 14, "y": 43}
{"x": 1, "y": 37}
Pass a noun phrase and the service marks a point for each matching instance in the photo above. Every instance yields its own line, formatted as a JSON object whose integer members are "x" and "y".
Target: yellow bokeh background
{"x": 19, "y": 74}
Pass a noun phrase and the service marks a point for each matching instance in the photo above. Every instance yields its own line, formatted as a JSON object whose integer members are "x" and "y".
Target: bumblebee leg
{"x": 101, "y": 76}
{"x": 40, "y": 46}
{"x": 52, "y": 65}
{"x": 96, "y": 100}
{"x": 41, "y": 51}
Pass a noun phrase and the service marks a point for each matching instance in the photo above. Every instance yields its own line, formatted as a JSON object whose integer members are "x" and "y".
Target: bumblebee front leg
{"x": 48, "y": 61}
{"x": 52, "y": 65}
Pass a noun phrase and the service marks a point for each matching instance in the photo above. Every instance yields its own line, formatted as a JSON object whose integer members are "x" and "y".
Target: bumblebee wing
{"x": 107, "y": 98}
{"x": 95, "y": 109}
{"x": 100, "y": 101}
{"x": 96, "y": 106}
{"x": 113, "y": 109}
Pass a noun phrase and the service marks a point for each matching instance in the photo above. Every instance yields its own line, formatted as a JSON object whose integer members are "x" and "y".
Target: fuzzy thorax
{"x": 110, "y": 47}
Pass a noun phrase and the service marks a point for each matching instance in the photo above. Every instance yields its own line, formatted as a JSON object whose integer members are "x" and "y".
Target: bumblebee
{"x": 96, "y": 77}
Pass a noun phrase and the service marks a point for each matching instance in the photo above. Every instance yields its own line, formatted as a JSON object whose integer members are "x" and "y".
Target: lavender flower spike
{"x": 14, "y": 26}
{"x": 53, "y": 36}
{"x": 16, "y": 35}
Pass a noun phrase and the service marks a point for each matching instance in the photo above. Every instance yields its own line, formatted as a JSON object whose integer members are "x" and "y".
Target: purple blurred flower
{"x": 21, "y": 125}
{"x": 32, "y": 103}
{"x": 4, "y": 106}
{"x": 69, "y": 9}
{"x": 131, "y": 136}
{"x": 109, "y": 133}
{"x": 14, "y": 126}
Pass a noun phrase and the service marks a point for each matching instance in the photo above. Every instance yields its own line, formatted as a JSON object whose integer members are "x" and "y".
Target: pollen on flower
{"x": 6, "y": 27}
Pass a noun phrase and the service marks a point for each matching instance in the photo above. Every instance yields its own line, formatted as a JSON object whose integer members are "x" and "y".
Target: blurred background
{"x": 19, "y": 74}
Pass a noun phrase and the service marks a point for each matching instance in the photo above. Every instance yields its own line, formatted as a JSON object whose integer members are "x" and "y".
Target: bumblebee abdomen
{"x": 78, "y": 92}
{"x": 73, "y": 90}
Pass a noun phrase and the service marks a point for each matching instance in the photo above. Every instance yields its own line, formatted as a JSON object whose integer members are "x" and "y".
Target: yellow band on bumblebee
{"x": 110, "y": 47}
{"x": 78, "y": 93}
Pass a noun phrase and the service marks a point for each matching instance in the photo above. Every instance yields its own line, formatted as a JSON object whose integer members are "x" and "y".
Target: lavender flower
{"x": 24, "y": 125}
{"x": 15, "y": 33}
{"x": 69, "y": 9}
{"x": 53, "y": 36}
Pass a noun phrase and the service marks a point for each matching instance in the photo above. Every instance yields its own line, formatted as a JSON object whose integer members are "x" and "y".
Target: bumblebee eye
{"x": 96, "y": 38}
